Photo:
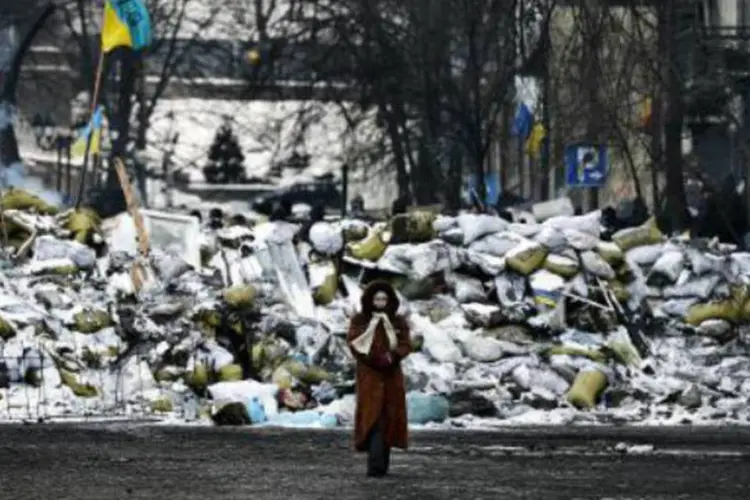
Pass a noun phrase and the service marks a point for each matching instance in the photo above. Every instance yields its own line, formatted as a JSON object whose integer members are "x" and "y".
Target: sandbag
{"x": 701, "y": 263}
{"x": 7, "y": 330}
{"x": 730, "y": 309}
{"x": 371, "y": 248}
{"x": 610, "y": 252}
{"x": 588, "y": 223}
{"x": 466, "y": 289}
{"x": 91, "y": 320}
{"x": 482, "y": 349}
{"x": 425, "y": 408}
{"x": 324, "y": 281}
{"x": 526, "y": 258}
{"x": 546, "y": 287}
{"x": 666, "y": 269}
{"x": 229, "y": 373}
{"x": 19, "y": 199}
{"x": 587, "y": 388}
{"x": 646, "y": 234}
{"x": 596, "y": 265}
{"x": 354, "y": 230}
{"x": 510, "y": 289}
{"x": 488, "y": 265}
{"x": 561, "y": 265}
{"x": 82, "y": 390}
{"x": 427, "y": 259}
{"x": 325, "y": 238}
{"x": 551, "y": 238}
{"x": 474, "y": 226}
{"x": 443, "y": 223}
{"x": 239, "y": 296}
{"x": 700, "y": 286}
{"x": 497, "y": 244}
{"x": 579, "y": 240}
{"x": 644, "y": 255}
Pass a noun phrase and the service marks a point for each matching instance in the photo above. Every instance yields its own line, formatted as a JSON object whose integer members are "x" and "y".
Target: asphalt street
{"x": 135, "y": 461}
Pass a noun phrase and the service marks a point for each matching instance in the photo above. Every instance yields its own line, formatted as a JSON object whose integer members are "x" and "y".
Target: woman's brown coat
{"x": 380, "y": 392}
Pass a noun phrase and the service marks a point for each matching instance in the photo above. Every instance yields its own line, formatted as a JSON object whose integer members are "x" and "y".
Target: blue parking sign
{"x": 586, "y": 165}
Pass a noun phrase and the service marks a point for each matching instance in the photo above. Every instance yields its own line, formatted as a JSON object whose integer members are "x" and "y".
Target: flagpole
{"x": 94, "y": 105}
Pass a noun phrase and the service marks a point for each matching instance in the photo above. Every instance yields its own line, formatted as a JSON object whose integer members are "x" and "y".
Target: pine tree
{"x": 226, "y": 163}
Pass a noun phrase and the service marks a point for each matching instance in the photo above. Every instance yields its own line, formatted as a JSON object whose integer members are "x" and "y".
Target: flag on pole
{"x": 523, "y": 122}
{"x": 126, "y": 24}
{"x": 93, "y": 129}
{"x": 536, "y": 140}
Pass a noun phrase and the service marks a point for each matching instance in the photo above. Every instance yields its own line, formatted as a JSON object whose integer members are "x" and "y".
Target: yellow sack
{"x": 413, "y": 227}
{"x": 18, "y": 199}
{"x": 91, "y": 320}
{"x": 7, "y": 330}
{"x": 371, "y": 248}
{"x": 646, "y": 234}
{"x": 83, "y": 223}
{"x": 240, "y": 296}
{"x": 81, "y": 390}
{"x": 326, "y": 291}
{"x": 526, "y": 260}
{"x": 621, "y": 293}
{"x": 561, "y": 265}
{"x": 162, "y": 405}
{"x": 198, "y": 378}
{"x": 592, "y": 354}
{"x": 230, "y": 373}
{"x": 355, "y": 233}
{"x": 610, "y": 252}
{"x": 730, "y": 309}
{"x": 586, "y": 389}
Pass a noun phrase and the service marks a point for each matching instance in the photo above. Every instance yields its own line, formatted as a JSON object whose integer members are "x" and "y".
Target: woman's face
{"x": 380, "y": 301}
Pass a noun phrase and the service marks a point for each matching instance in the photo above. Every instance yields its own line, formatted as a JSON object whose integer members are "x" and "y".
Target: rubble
{"x": 512, "y": 322}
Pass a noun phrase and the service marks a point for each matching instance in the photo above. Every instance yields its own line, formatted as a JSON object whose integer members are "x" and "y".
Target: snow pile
{"x": 512, "y": 322}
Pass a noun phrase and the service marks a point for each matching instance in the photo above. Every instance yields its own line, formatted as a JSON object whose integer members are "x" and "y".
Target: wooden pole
{"x": 138, "y": 273}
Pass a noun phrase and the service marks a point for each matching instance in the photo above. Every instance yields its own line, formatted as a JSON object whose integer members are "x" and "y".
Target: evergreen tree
{"x": 226, "y": 163}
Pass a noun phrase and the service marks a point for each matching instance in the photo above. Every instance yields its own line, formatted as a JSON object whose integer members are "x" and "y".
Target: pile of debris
{"x": 512, "y": 322}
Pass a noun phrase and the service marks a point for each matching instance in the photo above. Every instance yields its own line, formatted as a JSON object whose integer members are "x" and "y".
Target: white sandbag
{"x": 326, "y": 238}
{"x": 666, "y": 269}
{"x": 482, "y": 349}
{"x": 437, "y": 342}
{"x": 523, "y": 217}
{"x": 474, "y": 226}
{"x": 487, "y": 264}
{"x": 551, "y": 238}
{"x": 551, "y": 208}
{"x": 319, "y": 273}
{"x": 50, "y": 248}
{"x": 678, "y": 308}
{"x": 466, "y": 289}
{"x": 525, "y": 230}
{"x": 547, "y": 287}
{"x": 644, "y": 255}
{"x": 739, "y": 264}
{"x": 243, "y": 391}
{"x": 395, "y": 259}
{"x": 703, "y": 263}
{"x": 579, "y": 240}
{"x": 510, "y": 289}
{"x": 578, "y": 285}
{"x": 531, "y": 377}
{"x": 429, "y": 258}
{"x": 714, "y": 327}
{"x": 443, "y": 223}
{"x": 692, "y": 286}
{"x": 453, "y": 236}
{"x": 596, "y": 265}
{"x": 219, "y": 358}
{"x": 497, "y": 244}
{"x": 588, "y": 223}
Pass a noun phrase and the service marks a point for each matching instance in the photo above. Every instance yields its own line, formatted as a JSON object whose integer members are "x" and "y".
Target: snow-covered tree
{"x": 226, "y": 163}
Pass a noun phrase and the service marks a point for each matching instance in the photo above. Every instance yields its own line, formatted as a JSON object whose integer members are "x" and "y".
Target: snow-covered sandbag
{"x": 530, "y": 377}
{"x": 425, "y": 408}
{"x": 666, "y": 269}
{"x": 526, "y": 258}
{"x": 485, "y": 263}
{"x": 510, "y": 289}
{"x": 679, "y": 308}
{"x": 702, "y": 263}
{"x": 244, "y": 391}
{"x": 474, "y": 226}
{"x": 610, "y": 252}
{"x": 466, "y": 289}
{"x": 50, "y": 248}
{"x": 596, "y": 265}
{"x": 551, "y": 238}
{"x": 587, "y": 223}
{"x": 395, "y": 259}
{"x": 561, "y": 265}
{"x": 452, "y": 236}
{"x": 700, "y": 286}
{"x": 739, "y": 264}
{"x": 714, "y": 327}
{"x": 429, "y": 258}
{"x": 326, "y": 238}
{"x": 551, "y": 208}
{"x": 546, "y": 287}
{"x": 644, "y": 255}
{"x": 579, "y": 240}
{"x": 527, "y": 230}
{"x": 497, "y": 244}
{"x": 482, "y": 349}
{"x": 443, "y": 223}
{"x": 437, "y": 342}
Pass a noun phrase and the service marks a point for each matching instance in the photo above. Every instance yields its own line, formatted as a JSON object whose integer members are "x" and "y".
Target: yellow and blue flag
{"x": 535, "y": 140}
{"x": 522, "y": 122}
{"x": 126, "y": 24}
{"x": 94, "y": 130}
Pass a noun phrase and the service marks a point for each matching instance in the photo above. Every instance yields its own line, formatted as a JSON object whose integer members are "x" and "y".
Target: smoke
{"x": 15, "y": 176}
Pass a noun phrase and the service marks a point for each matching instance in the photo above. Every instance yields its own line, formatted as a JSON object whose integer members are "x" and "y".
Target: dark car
{"x": 311, "y": 193}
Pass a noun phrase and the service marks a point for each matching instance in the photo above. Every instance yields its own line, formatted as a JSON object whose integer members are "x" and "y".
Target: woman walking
{"x": 379, "y": 340}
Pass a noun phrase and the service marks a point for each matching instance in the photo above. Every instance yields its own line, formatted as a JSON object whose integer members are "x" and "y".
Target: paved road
{"x": 127, "y": 461}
